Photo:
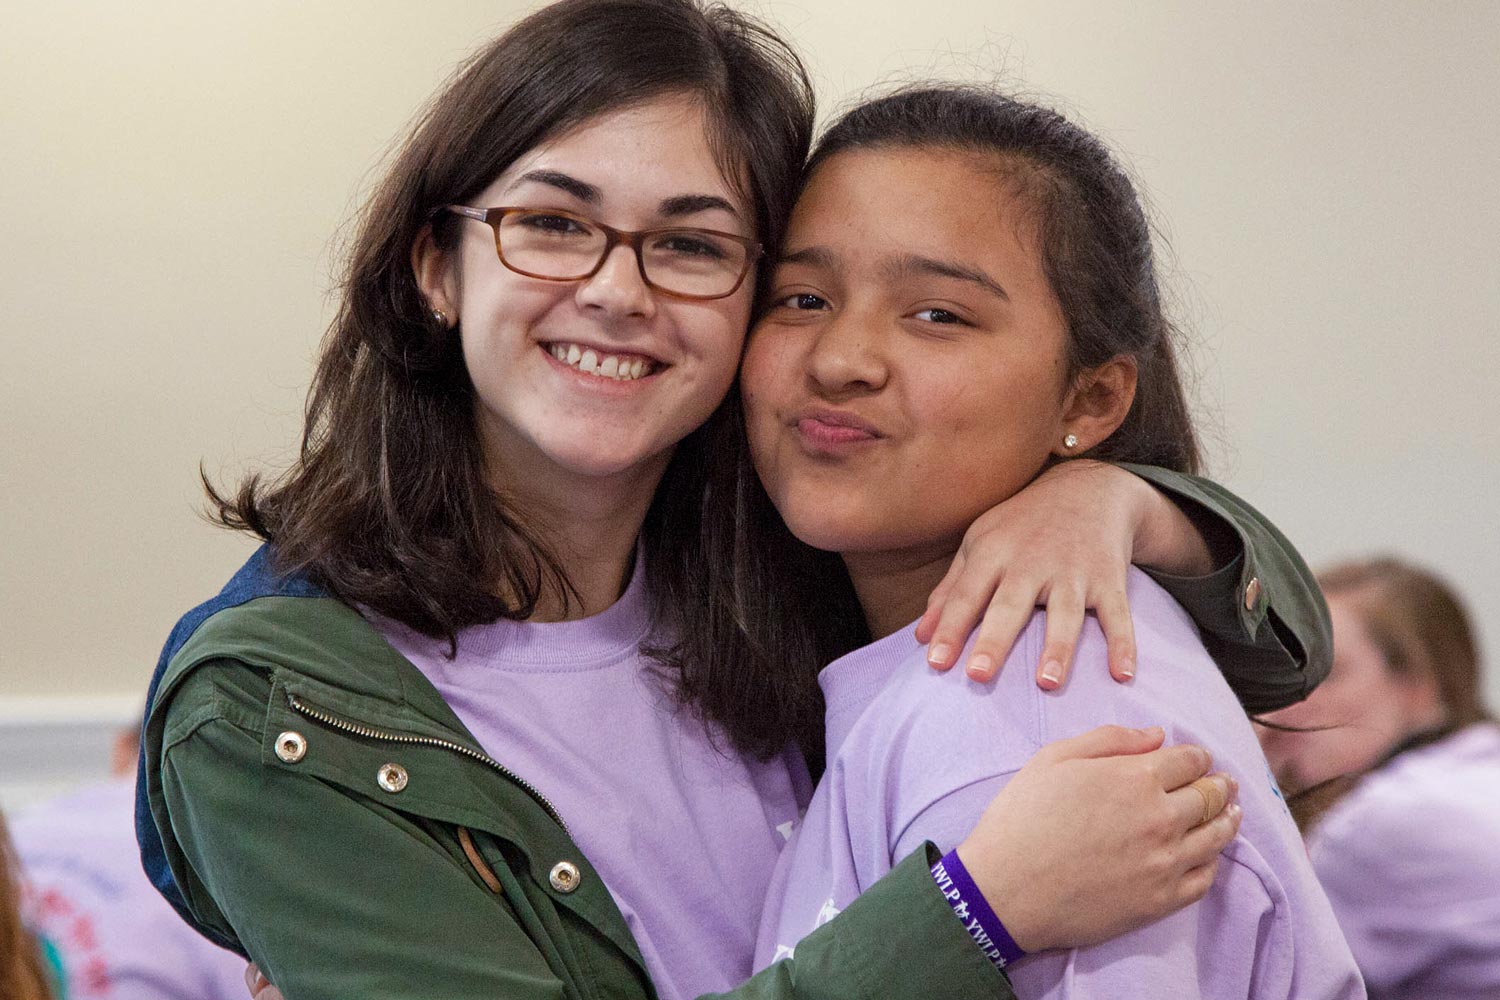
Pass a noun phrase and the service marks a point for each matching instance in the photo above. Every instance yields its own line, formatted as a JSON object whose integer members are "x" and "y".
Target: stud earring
{"x": 441, "y": 317}
{"x": 1070, "y": 442}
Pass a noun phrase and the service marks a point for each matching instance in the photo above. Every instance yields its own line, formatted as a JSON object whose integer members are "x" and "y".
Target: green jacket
{"x": 310, "y": 800}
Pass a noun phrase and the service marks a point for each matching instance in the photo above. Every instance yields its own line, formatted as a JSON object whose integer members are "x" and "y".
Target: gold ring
{"x": 1214, "y": 799}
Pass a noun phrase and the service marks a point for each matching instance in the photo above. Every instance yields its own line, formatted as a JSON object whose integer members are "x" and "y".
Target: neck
{"x": 590, "y": 523}
{"x": 893, "y": 586}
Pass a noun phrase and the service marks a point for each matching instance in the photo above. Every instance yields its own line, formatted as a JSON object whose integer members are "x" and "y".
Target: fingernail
{"x": 1234, "y": 786}
{"x": 1127, "y": 669}
{"x": 938, "y": 655}
{"x": 1052, "y": 671}
{"x": 1233, "y": 810}
{"x": 981, "y": 665}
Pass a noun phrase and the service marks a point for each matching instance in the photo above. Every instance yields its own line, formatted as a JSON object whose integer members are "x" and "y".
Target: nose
{"x": 846, "y": 356}
{"x": 617, "y": 288}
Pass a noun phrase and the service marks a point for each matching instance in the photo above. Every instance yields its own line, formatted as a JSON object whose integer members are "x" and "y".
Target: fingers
{"x": 1113, "y": 611}
{"x": 1177, "y": 765}
{"x": 1104, "y": 741}
{"x": 1007, "y": 614}
{"x": 1201, "y": 849}
{"x": 1201, "y": 801}
{"x": 937, "y": 600}
{"x": 259, "y": 986}
{"x": 1064, "y": 622}
{"x": 952, "y": 611}
{"x": 1194, "y": 884}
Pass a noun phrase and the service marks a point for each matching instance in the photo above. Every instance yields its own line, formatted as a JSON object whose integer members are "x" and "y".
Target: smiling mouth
{"x": 620, "y": 367}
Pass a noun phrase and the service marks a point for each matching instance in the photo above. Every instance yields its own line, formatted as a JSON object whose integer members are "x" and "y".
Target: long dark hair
{"x": 790, "y": 609}
{"x": 388, "y": 504}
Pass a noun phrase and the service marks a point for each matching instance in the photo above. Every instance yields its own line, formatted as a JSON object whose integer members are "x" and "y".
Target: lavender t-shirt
{"x": 87, "y": 898}
{"x": 684, "y": 831}
{"x": 1411, "y": 862}
{"x": 916, "y": 755}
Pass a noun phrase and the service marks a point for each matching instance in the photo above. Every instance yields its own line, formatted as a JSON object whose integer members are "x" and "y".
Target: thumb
{"x": 1105, "y": 741}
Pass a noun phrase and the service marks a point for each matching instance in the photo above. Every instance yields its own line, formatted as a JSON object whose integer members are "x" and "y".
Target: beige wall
{"x": 172, "y": 174}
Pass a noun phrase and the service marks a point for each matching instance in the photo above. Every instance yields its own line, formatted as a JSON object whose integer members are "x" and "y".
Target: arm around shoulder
{"x": 1262, "y": 615}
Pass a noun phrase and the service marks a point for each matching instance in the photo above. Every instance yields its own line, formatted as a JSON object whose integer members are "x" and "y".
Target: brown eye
{"x": 940, "y": 316}
{"x": 803, "y": 301}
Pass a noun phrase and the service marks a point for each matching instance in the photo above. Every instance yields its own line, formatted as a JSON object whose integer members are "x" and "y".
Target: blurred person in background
{"x": 1395, "y": 778}
{"x": 23, "y": 970}
{"x": 110, "y": 933}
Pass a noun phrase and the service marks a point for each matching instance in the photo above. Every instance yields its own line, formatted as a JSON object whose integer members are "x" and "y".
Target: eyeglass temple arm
{"x": 474, "y": 213}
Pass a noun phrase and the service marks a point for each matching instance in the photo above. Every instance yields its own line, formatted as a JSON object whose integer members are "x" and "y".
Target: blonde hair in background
{"x": 1420, "y": 627}
{"x": 22, "y": 975}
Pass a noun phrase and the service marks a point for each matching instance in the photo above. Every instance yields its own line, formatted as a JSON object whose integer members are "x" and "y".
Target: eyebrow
{"x": 902, "y": 266}
{"x": 691, "y": 204}
{"x": 816, "y": 256}
{"x": 582, "y": 190}
{"x": 675, "y": 207}
{"x": 917, "y": 264}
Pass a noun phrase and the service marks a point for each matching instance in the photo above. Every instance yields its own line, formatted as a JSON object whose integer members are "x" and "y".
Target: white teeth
{"x": 609, "y": 366}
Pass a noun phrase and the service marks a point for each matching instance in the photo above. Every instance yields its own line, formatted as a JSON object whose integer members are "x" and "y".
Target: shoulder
{"x": 1443, "y": 817}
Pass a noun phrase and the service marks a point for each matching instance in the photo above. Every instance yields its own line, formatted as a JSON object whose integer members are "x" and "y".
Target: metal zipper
{"x": 359, "y": 729}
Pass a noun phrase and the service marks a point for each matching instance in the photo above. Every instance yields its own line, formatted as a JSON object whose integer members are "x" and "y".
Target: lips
{"x": 827, "y": 428}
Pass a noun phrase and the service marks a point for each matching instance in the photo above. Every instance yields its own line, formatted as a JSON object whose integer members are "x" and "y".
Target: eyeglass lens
{"x": 685, "y": 261}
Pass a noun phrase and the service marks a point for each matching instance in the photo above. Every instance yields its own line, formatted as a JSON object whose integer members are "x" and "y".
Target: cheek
{"x": 766, "y": 372}
{"x": 993, "y": 434}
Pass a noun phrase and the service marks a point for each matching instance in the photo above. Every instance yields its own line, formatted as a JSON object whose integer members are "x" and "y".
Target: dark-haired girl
{"x": 505, "y": 707}
{"x": 954, "y": 237}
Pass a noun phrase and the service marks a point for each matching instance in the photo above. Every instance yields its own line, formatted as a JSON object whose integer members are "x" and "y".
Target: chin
{"x": 822, "y": 526}
{"x": 598, "y": 455}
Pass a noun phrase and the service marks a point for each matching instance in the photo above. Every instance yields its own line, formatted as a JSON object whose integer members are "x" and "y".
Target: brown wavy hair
{"x": 388, "y": 504}
{"x": 22, "y": 973}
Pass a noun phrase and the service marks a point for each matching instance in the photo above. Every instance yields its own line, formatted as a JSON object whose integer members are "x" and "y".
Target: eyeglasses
{"x": 560, "y": 246}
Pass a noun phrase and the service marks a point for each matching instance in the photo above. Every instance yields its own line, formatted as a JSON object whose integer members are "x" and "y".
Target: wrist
{"x": 974, "y": 911}
{"x": 1166, "y": 538}
{"x": 1006, "y": 896}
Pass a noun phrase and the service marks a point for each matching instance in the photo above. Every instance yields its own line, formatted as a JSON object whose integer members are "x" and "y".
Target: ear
{"x": 1097, "y": 404}
{"x": 436, "y": 271}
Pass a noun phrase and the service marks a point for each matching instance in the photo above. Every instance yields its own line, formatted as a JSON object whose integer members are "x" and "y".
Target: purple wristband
{"x": 970, "y": 906}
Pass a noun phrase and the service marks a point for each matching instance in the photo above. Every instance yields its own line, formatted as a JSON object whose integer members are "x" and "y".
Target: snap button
{"x": 1252, "y": 593}
{"x": 391, "y": 777}
{"x": 291, "y": 746}
{"x": 565, "y": 877}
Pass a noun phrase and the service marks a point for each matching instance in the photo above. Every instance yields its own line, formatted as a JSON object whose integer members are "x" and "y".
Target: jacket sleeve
{"x": 898, "y": 939}
{"x": 337, "y": 897}
{"x": 1262, "y": 615}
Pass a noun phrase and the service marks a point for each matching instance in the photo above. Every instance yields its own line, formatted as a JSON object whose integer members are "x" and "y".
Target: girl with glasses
{"x": 504, "y": 707}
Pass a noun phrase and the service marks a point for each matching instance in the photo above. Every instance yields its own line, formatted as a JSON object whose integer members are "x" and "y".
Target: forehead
{"x": 947, "y": 201}
{"x": 656, "y": 149}
{"x": 1353, "y": 648}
